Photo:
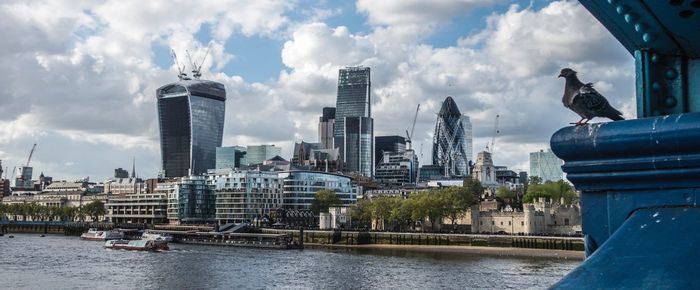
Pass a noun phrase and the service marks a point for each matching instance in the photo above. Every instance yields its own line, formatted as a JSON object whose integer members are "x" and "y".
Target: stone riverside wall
{"x": 389, "y": 238}
{"x": 66, "y": 228}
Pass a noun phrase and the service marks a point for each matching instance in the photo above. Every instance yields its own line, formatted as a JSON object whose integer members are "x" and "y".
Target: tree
{"x": 362, "y": 212}
{"x": 323, "y": 200}
{"x": 534, "y": 180}
{"x": 95, "y": 209}
{"x": 504, "y": 193}
{"x": 458, "y": 200}
{"x": 553, "y": 191}
{"x": 473, "y": 186}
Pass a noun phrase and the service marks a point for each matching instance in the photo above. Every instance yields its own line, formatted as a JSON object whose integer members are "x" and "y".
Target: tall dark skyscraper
{"x": 325, "y": 128}
{"x": 354, "y": 102}
{"x": 358, "y": 140}
{"x": 191, "y": 119}
{"x": 394, "y": 144}
{"x": 449, "y": 141}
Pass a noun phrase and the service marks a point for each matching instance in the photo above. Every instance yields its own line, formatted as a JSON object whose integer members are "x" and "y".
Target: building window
{"x": 501, "y": 223}
{"x": 566, "y": 222}
{"x": 522, "y": 223}
{"x": 508, "y": 223}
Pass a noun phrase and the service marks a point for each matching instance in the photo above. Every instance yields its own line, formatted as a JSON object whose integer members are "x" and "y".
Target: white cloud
{"x": 83, "y": 78}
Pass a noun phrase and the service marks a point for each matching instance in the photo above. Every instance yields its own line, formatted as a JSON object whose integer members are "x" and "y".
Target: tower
{"x": 325, "y": 128}
{"x": 191, "y": 120}
{"x": 353, "y": 101}
{"x": 449, "y": 142}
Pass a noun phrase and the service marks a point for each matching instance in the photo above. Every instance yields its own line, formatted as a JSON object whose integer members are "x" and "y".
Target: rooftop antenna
{"x": 180, "y": 69}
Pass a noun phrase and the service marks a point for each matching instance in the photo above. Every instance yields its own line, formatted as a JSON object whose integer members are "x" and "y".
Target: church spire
{"x": 133, "y": 167}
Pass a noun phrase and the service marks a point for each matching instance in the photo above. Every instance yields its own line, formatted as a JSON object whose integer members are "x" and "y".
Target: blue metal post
{"x": 640, "y": 179}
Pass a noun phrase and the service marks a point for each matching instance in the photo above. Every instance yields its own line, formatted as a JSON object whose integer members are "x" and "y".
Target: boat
{"x": 137, "y": 245}
{"x": 147, "y": 235}
{"x": 95, "y": 235}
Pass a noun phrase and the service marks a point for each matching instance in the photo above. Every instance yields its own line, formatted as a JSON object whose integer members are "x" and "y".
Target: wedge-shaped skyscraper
{"x": 191, "y": 119}
{"x": 449, "y": 141}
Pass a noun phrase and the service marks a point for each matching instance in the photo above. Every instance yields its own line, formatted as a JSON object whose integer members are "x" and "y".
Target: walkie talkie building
{"x": 449, "y": 141}
{"x": 191, "y": 120}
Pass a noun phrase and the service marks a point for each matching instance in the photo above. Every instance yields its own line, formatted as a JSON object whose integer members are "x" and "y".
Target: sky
{"x": 79, "y": 77}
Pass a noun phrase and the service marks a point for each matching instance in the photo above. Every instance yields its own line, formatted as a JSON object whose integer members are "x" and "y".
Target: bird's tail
{"x": 614, "y": 114}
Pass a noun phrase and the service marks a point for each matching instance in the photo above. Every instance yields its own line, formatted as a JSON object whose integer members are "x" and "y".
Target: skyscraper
{"x": 358, "y": 139}
{"x": 354, "y": 102}
{"x": 393, "y": 144}
{"x": 449, "y": 142}
{"x": 546, "y": 166}
{"x": 191, "y": 120}
{"x": 468, "y": 138}
{"x": 325, "y": 128}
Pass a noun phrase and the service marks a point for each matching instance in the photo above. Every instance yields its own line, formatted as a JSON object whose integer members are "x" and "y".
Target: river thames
{"x": 59, "y": 262}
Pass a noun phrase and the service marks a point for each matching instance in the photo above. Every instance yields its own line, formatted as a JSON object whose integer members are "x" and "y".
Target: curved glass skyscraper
{"x": 191, "y": 119}
{"x": 449, "y": 141}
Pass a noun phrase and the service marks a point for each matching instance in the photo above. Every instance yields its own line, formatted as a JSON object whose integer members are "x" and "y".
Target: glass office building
{"x": 449, "y": 143}
{"x": 191, "y": 120}
{"x": 358, "y": 143}
{"x": 353, "y": 100}
{"x": 230, "y": 157}
{"x": 190, "y": 200}
{"x": 299, "y": 188}
{"x": 256, "y": 154}
{"x": 546, "y": 165}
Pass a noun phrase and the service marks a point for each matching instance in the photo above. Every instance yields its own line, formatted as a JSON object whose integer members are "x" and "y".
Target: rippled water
{"x": 58, "y": 262}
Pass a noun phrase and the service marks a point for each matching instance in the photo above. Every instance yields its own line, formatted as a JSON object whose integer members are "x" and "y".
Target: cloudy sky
{"x": 79, "y": 77}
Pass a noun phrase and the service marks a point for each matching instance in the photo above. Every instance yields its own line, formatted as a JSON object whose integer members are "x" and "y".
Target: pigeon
{"x": 585, "y": 101}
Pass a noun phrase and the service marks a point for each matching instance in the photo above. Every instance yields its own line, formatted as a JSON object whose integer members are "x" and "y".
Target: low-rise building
{"x": 124, "y": 186}
{"x": 142, "y": 208}
{"x": 57, "y": 199}
{"x": 540, "y": 217}
{"x": 335, "y": 218}
{"x": 190, "y": 200}
{"x": 300, "y": 186}
{"x": 397, "y": 168}
{"x": 244, "y": 195}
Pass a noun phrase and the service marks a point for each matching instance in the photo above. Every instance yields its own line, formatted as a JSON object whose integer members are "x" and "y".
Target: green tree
{"x": 504, "y": 193}
{"x": 457, "y": 200}
{"x": 323, "y": 200}
{"x": 474, "y": 187}
{"x": 95, "y": 209}
{"x": 552, "y": 191}
{"x": 534, "y": 180}
{"x": 362, "y": 212}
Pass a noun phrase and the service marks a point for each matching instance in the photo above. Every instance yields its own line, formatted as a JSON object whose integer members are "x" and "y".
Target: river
{"x": 59, "y": 262}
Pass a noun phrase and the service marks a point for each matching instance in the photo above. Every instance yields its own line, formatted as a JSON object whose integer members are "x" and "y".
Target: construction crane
{"x": 180, "y": 69}
{"x": 197, "y": 69}
{"x": 420, "y": 157}
{"x": 490, "y": 147}
{"x": 413, "y": 127}
{"x": 30, "y": 155}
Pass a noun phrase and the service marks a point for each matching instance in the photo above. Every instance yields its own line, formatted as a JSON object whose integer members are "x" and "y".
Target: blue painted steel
{"x": 623, "y": 166}
{"x": 654, "y": 249}
{"x": 663, "y": 37}
{"x": 640, "y": 179}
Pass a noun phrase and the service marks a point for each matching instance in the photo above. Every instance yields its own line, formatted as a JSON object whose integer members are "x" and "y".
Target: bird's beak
{"x": 560, "y": 75}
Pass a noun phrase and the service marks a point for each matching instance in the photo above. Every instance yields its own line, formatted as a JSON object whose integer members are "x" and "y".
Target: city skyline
{"x": 97, "y": 55}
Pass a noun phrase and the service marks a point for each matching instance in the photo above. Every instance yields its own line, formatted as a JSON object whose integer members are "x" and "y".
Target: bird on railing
{"x": 584, "y": 100}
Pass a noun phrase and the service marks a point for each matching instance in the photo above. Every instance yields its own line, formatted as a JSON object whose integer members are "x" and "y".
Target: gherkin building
{"x": 449, "y": 142}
